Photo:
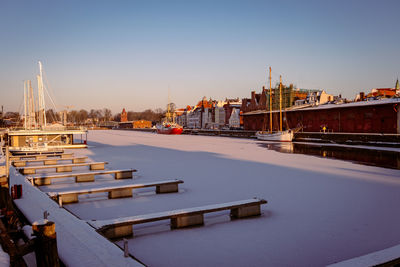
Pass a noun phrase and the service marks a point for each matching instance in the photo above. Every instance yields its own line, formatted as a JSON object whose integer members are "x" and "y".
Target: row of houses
{"x": 210, "y": 114}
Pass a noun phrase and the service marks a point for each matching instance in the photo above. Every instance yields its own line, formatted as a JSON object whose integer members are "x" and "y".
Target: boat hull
{"x": 285, "y": 136}
{"x": 169, "y": 129}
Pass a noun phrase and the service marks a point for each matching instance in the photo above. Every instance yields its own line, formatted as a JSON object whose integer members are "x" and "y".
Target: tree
{"x": 52, "y": 116}
{"x": 117, "y": 117}
{"x": 107, "y": 114}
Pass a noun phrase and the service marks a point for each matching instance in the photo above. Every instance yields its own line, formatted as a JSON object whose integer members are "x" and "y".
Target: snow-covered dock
{"x": 78, "y": 243}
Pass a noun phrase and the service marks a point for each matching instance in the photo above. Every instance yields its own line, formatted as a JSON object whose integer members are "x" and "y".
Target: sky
{"x": 130, "y": 54}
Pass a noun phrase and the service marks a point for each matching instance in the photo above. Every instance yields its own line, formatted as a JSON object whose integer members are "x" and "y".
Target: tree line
{"x": 94, "y": 116}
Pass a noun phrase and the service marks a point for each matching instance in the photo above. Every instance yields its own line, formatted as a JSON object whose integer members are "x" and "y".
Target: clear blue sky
{"x": 119, "y": 54}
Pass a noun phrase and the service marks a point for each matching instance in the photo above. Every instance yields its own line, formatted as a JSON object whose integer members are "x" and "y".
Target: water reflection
{"x": 380, "y": 158}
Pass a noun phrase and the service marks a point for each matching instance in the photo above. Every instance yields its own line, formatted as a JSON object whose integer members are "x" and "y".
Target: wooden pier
{"x": 181, "y": 218}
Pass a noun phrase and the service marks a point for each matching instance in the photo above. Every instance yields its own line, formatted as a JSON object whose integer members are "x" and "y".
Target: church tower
{"x": 124, "y": 116}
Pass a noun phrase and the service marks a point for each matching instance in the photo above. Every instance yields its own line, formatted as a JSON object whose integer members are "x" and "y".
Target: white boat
{"x": 284, "y": 136}
{"x": 281, "y": 136}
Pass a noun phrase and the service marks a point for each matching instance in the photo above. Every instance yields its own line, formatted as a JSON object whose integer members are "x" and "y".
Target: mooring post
{"x": 45, "y": 243}
{"x": 126, "y": 249}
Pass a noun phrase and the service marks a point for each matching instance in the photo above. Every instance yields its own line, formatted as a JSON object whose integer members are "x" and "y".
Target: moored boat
{"x": 280, "y": 136}
{"x": 284, "y": 136}
{"x": 169, "y": 128}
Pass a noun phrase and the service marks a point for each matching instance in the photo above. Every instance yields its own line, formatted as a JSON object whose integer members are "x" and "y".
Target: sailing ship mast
{"x": 280, "y": 103}
{"x": 270, "y": 101}
{"x": 29, "y": 106}
{"x": 42, "y": 107}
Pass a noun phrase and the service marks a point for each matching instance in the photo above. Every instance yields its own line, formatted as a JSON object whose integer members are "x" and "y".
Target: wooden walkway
{"x": 179, "y": 218}
{"x": 114, "y": 191}
{"x": 81, "y": 177}
{"x": 63, "y": 168}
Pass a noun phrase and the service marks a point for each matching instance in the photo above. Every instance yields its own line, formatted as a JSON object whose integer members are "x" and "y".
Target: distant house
{"x": 219, "y": 115}
{"x": 382, "y": 92}
{"x": 318, "y": 98}
{"x": 193, "y": 118}
{"x": 234, "y": 119}
{"x": 141, "y": 124}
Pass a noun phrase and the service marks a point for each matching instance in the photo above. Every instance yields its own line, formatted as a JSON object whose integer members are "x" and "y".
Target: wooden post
{"x": 8, "y": 165}
{"x": 126, "y": 249}
{"x": 45, "y": 243}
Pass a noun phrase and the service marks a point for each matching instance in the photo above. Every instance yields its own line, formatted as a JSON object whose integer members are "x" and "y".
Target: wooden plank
{"x": 103, "y": 225}
{"x": 116, "y": 191}
{"x": 48, "y": 160}
{"x": 79, "y": 177}
{"x": 66, "y": 167}
{"x": 64, "y": 155}
{"x": 113, "y": 187}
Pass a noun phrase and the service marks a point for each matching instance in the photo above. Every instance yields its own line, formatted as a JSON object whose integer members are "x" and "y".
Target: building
{"x": 142, "y": 124}
{"x": 193, "y": 118}
{"x": 234, "y": 119}
{"x": 377, "y": 116}
{"x": 219, "y": 115}
{"x": 232, "y": 107}
{"x": 124, "y": 116}
{"x": 47, "y": 138}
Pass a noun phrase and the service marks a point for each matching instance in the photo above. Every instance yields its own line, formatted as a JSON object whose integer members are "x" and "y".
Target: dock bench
{"x": 122, "y": 227}
{"x": 63, "y": 168}
{"x": 42, "y": 156}
{"x": 82, "y": 177}
{"x": 48, "y": 161}
{"x": 116, "y": 191}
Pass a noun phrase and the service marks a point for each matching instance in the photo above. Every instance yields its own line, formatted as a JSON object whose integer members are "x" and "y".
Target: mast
{"x": 270, "y": 101}
{"x": 31, "y": 106}
{"x": 280, "y": 102}
{"x": 169, "y": 107}
{"x": 42, "y": 107}
{"x": 25, "y": 105}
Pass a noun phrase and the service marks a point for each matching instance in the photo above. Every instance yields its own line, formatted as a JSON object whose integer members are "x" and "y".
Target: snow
{"x": 320, "y": 211}
{"x": 4, "y": 258}
{"x": 78, "y": 244}
{"x": 371, "y": 259}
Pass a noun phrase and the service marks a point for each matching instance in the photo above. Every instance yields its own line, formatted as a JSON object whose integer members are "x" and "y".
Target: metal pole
{"x": 280, "y": 103}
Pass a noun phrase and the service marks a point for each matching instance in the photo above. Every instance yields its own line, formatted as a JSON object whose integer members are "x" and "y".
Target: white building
{"x": 219, "y": 115}
{"x": 318, "y": 98}
{"x": 234, "y": 119}
{"x": 193, "y": 118}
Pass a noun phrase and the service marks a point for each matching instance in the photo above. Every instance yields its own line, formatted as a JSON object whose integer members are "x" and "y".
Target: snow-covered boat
{"x": 284, "y": 136}
{"x": 169, "y": 128}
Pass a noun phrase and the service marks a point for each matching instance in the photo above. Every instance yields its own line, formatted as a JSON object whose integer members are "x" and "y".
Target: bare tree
{"x": 107, "y": 114}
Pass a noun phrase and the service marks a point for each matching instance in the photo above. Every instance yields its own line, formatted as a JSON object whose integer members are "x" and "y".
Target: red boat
{"x": 169, "y": 128}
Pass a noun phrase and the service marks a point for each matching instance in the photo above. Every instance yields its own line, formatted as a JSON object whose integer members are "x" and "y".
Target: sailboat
{"x": 169, "y": 126}
{"x": 280, "y": 136}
